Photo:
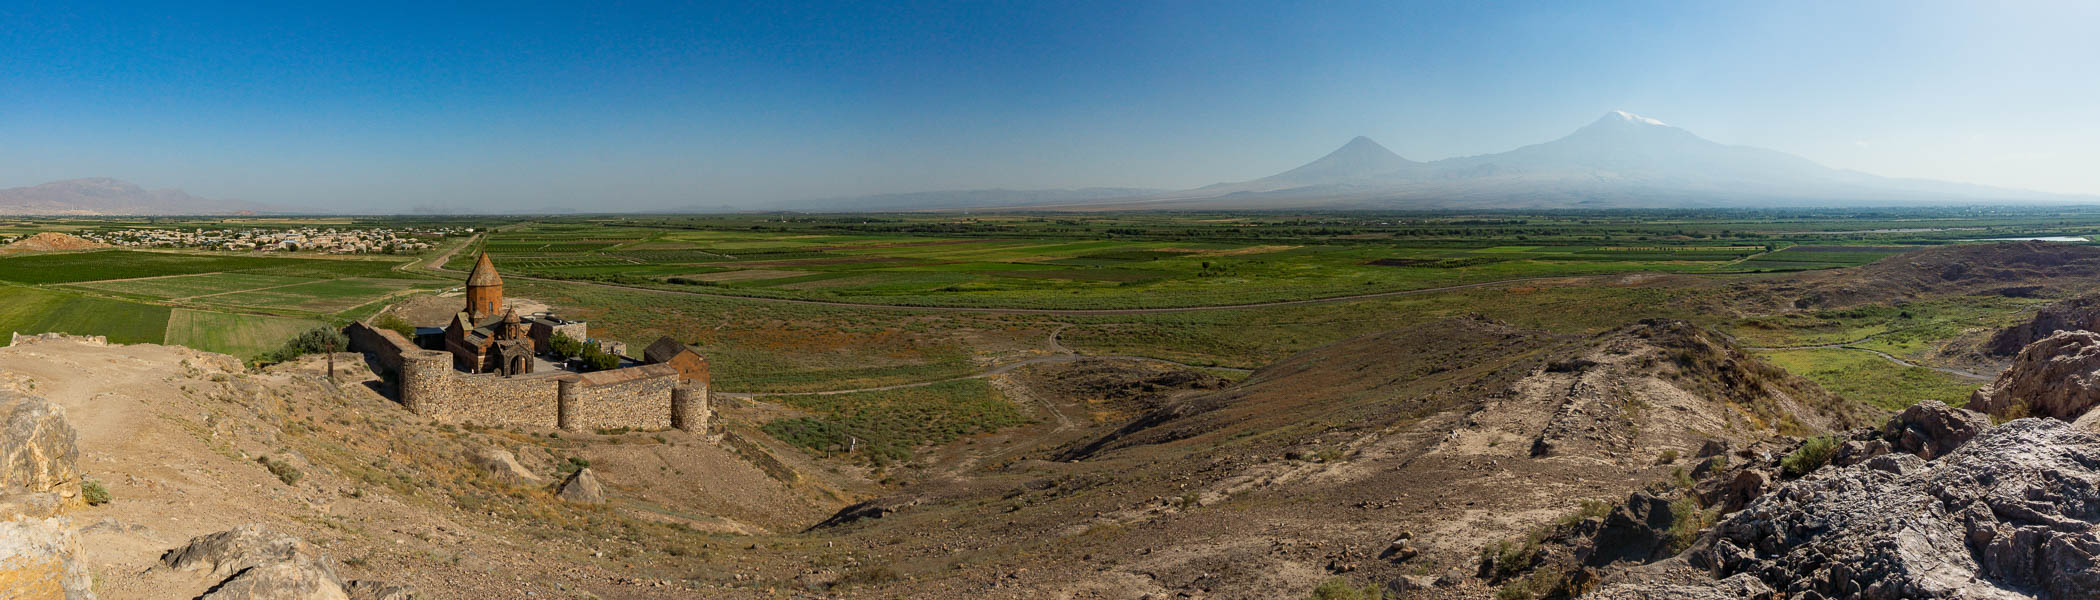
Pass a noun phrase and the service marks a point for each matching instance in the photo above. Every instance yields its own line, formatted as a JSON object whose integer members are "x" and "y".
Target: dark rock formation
{"x": 1635, "y": 531}
{"x": 1930, "y": 429}
{"x": 2080, "y": 313}
{"x": 869, "y": 509}
{"x": 2058, "y": 376}
{"x": 2009, "y": 514}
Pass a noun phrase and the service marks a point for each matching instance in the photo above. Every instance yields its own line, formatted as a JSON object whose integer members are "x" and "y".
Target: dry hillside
{"x": 50, "y": 241}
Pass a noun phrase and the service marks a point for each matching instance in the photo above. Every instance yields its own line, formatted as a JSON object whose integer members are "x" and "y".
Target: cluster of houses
{"x": 332, "y": 240}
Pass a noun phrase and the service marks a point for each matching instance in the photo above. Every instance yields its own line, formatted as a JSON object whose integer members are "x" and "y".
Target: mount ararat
{"x": 1621, "y": 160}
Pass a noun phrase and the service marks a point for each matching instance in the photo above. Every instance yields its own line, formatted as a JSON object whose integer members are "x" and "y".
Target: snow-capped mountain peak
{"x": 1633, "y": 118}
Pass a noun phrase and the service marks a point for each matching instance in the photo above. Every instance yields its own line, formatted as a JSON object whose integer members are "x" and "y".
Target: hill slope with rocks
{"x": 50, "y": 242}
{"x": 1393, "y": 457}
{"x": 300, "y": 482}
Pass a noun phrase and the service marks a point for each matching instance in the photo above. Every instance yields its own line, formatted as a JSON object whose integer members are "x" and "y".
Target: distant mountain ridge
{"x": 1621, "y": 160}
{"x": 964, "y": 199}
{"x": 104, "y": 196}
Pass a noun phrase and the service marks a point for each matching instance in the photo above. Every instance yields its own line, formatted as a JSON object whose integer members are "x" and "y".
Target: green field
{"x": 1864, "y": 377}
{"x": 1909, "y": 330}
{"x": 239, "y": 304}
{"x": 127, "y": 264}
{"x": 1051, "y": 272}
{"x": 244, "y": 336}
{"x": 30, "y": 310}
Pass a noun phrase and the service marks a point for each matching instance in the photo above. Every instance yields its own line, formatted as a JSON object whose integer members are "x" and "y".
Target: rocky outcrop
{"x": 1739, "y": 587}
{"x": 867, "y": 509}
{"x": 221, "y": 555}
{"x": 2009, "y": 514}
{"x": 279, "y": 581}
{"x": 501, "y": 466}
{"x": 582, "y": 487}
{"x": 37, "y": 452}
{"x": 41, "y": 558}
{"x": 2075, "y": 314}
{"x": 2058, "y": 376}
{"x": 1929, "y": 429}
{"x": 254, "y": 562}
{"x": 40, "y": 553}
{"x": 1635, "y": 531}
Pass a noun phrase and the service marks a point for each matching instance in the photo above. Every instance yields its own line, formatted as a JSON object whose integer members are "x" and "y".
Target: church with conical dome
{"x": 489, "y": 336}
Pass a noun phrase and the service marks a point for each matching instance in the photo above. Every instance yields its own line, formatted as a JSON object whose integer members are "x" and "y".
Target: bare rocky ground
{"x": 1392, "y": 456}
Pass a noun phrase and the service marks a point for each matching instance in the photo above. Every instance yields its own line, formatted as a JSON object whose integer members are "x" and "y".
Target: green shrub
{"x": 94, "y": 493}
{"x": 1812, "y": 455}
{"x": 1667, "y": 457}
{"x": 572, "y": 465}
{"x": 313, "y": 341}
{"x": 867, "y": 575}
{"x": 565, "y": 346}
{"x": 396, "y": 323}
{"x": 1549, "y": 581}
{"x": 2014, "y": 412}
{"x": 1690, "y": 519}
{"x": 1340, "y": 589}
{"x": 593, "y": 356}
{"x": 1585, "y": 511}
{"x": 284, "y": 471}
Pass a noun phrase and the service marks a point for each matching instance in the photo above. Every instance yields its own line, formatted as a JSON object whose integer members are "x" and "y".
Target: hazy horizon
{"x": 424, "y": 108}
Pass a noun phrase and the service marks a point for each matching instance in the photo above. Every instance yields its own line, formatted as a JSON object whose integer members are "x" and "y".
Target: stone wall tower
{"x": 426, "y": 381}
{"x": 484, "y": 289}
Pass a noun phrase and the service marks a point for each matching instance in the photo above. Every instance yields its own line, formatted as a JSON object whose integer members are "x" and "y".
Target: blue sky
{"x": 642, "y": 106}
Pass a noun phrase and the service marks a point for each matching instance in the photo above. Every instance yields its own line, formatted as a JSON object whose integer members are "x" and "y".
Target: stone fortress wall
{"x": 641, "y": 397}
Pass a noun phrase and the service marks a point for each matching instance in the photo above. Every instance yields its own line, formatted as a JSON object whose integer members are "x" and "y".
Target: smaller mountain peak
{"x": 1627, "y": 117}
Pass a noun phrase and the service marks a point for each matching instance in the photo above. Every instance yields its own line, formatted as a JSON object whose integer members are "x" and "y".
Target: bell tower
{"x": 484, "y": 289}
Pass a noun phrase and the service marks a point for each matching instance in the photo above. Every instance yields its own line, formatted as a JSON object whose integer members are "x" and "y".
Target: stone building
{"x": 490, "y": 372}
{"x": 692, "y": 367}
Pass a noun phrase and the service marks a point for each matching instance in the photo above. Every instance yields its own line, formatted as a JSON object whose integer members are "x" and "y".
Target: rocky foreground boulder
{"x": 2058, "y": 376}
{"x": 2009, "y": 514}
{"x": 40, "y": 552}
{"x": 255, "y": 562}
{"x": 37, "y": 451}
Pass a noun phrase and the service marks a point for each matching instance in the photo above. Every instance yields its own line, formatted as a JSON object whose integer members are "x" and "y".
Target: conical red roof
{"x": 484, "y": 272}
